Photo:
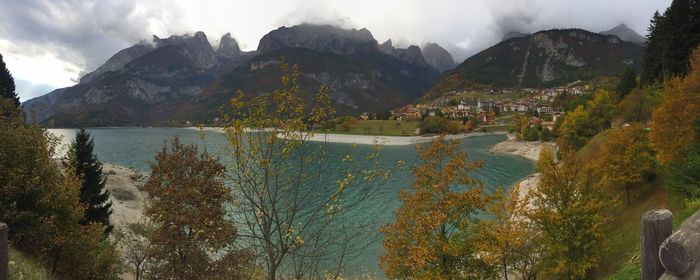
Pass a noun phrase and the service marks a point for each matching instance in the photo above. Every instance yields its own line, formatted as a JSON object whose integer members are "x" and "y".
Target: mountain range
{"x": 168, "y": 81}
{"x": 182, "y": 78}
{"x": 545, "y": 58}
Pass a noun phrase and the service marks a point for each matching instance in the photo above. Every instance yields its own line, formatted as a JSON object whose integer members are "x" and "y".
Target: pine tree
{"x": 672, "y": 36}
{"x": 627, "y": 82}
{"x": 88, "y": 168}
{"x": 7, "y": 90}
{"x": 651, "y": 66}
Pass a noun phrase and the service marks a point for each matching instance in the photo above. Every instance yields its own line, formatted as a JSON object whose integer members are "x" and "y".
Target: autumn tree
{"x": 39, "y": 200}
{"x": 638, "y": 105}
{"x": 585, "y": 122}
{"x": 672, "y": 121}
{"x": 574, "y": 131}
{"x": 93, "y": 194}
{"x": 601, "y": 110}
{"x": 193, "y": 236}
{"x": 431, "y": 236}
{"x": 295, "y": 197}
{"x": 570, "y": 214}
{"x": 625, "y": 158}
{"x": 506, "y": 240}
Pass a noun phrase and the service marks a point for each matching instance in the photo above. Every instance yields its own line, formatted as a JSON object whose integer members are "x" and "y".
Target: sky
{"x": 49, "y": 44}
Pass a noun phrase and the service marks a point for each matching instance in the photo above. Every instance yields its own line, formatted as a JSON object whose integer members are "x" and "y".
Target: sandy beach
{"x": 127, "y": 200}
{"x": 529, "y": 150}
{"x": 526, "y": 149}
{"x": 388, "y": 140}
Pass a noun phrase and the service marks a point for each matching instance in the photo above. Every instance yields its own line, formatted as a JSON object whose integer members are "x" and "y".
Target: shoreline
{"x": 128, "y": 201}
{"x": 526, "y": 149}
{"x": 387, "y": 140}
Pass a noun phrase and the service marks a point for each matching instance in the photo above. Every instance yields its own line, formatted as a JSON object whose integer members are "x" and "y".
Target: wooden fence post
{"x": 4, "y": 251}
{"x": 657, "y": 225}
{"x": 680, "y": 253}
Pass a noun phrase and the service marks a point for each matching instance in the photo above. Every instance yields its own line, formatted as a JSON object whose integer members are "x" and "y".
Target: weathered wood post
{"x": 680, "y": 253}
{"x": 4, "y": 251}
{"x": 657, "y": 225}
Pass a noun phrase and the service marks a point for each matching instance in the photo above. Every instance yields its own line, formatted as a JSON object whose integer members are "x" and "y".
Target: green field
{"x": 380, "y": 127}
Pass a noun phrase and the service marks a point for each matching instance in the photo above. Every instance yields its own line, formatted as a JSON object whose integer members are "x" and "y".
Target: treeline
{"x": 672, "y": 37}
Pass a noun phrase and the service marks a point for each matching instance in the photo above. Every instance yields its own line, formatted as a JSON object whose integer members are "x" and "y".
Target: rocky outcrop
{"x": 228, "y": 47}
{"x": 325, "y": 38}
{"x": 412, "y": 54}
{"x": 626, "y": 34}
{"x": 438, "y": 57}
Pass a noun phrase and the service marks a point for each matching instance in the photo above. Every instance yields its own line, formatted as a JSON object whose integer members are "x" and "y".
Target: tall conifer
{"x": 88, "y": 168}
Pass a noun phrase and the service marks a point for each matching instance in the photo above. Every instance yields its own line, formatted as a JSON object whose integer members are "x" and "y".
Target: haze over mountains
{"x": 168, "y": 81}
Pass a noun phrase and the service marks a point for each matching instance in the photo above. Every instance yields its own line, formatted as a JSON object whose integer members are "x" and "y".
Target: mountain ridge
{"x": 146, "y": 83}
{"x": 545, "y": 58}
{"x": 625, "y": 33}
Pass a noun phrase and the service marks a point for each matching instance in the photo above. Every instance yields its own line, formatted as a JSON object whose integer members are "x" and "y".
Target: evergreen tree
{"x": 672, "y": 36}
{"x": 627, "y": 82}
{"x": 684, "y": 170}
{"x": 7, "y": 89}
{"x": 92, "y": 191}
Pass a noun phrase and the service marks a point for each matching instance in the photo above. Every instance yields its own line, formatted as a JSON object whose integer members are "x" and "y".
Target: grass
{"x": 622, "y": 242}
{"x": 380, "y": 127}
{"x": 23, "y": 267}
{"x": 620, "y": 258}
{"x": 681, "y": 209}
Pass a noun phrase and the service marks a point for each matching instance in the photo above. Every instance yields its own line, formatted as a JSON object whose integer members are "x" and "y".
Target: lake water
{"x": 136, "y": 147}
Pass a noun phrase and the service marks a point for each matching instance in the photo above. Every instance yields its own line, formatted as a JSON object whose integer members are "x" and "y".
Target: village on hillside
{"x": 495, "y": 107}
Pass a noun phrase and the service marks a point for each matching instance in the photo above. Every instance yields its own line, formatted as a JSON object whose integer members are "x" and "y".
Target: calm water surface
{"x": 136, "y": 147}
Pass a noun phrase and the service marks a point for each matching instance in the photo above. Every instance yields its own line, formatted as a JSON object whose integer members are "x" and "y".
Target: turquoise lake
{"x": 136, "y": 147}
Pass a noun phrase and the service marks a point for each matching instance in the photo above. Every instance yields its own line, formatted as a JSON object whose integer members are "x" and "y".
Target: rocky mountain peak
{"x": 438, "y": 57}
{"x": 626, "y": 34}
{"x": 387, "y": 47}
{"x": 325, "y": 38}
{"x": 228, "y": 47}
{"x": 196, "y": 47}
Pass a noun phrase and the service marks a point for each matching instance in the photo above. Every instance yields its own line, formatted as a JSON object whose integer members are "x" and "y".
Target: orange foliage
{"x": 429, "y": 238}
{"x": 672, "y": 121}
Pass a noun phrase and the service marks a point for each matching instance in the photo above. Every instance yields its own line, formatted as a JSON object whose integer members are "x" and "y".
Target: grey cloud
{"x": 82, "y": 33}
{"x": 86, "y": 33}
